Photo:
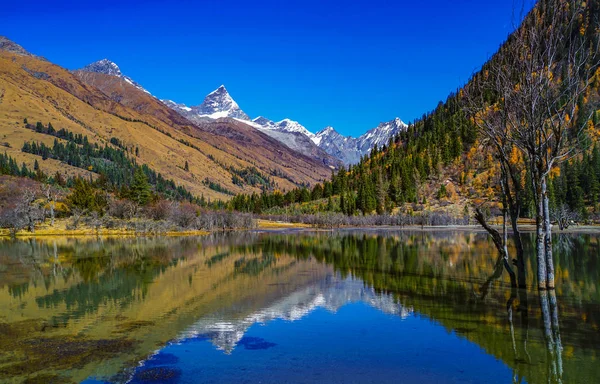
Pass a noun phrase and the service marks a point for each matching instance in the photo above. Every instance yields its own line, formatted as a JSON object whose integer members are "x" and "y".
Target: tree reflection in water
{"x": 154, "y": 288}
{"x": 549, "y": 315}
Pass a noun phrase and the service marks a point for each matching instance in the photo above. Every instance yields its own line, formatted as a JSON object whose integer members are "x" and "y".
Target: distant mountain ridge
{"x": 347, "y": 149}
{"x": 12, "y": 47}
{"x": 220, "y": 105}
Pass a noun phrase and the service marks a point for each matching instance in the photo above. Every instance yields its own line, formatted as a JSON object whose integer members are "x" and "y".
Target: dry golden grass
{"x": 67, "y": 102}
{"x": 269, "y": 224}
{"x": 60, "y": 229}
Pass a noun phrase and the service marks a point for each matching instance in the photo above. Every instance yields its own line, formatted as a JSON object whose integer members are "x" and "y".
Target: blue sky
{"x": 346, "y": 64}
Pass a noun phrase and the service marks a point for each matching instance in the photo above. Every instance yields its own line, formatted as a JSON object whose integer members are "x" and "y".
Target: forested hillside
{"x": 441, "y": 162}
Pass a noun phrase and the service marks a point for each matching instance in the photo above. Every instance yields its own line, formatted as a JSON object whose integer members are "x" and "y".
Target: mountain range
{"x": 219, "y": 104}
{"x": 213, "y": 149}
{"x": 327, "y": 145}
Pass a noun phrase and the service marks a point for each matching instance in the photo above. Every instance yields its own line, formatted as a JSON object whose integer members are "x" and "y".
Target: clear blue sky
{"x": 346, "y": 64}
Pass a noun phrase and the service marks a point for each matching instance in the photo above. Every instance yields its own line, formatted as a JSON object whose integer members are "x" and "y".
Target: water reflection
{"x": 331, "y": 293}
{"x": 102, "y": 305}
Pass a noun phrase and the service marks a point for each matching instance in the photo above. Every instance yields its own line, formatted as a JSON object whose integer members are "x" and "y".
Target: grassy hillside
{"x": 37, "y": 90}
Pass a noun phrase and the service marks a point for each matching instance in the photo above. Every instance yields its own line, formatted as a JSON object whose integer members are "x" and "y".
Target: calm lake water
{"x": 342, "y": 307}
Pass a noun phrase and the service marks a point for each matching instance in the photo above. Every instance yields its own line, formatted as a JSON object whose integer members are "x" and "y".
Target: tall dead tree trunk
{"x": 547, "y": 237}
{"x": 540, "y": 234}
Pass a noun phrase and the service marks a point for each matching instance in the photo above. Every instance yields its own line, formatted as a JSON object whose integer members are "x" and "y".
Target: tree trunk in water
{"x": 540, "y": 248}
{"x": 548, "y": 238}
{"x": 499, "y": 243}
{"x": 556, "y": 332}
{"x": 541, "y": 251}
{"x": 549, "y": 310}
{"x": 521, "y": 278}
{"x": 504, "y": 232}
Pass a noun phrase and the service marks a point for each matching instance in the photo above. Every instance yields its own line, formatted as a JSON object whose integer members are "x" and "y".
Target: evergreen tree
{"x": 84, "y": 197}
{"x": 330, "y": 206}
{"x": 139, "y": 191}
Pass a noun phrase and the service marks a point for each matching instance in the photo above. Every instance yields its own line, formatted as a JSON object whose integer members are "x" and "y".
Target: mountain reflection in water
{"x": 77, "y": 309}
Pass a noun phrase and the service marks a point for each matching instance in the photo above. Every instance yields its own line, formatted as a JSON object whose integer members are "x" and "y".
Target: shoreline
{"x": 267, "y": 226}
{"x": 97, "y": 233}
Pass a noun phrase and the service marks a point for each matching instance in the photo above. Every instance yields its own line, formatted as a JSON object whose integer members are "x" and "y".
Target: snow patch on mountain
{"x": 108, "y": 67}
{"x": 350, "y": 149}
{"x": 219, "y": 104}
{"x": 285, "y": 125}
{"x": 216, "y": 105}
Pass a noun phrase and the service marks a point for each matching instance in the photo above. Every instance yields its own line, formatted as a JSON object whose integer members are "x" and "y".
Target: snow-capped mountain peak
{"x": 219, "y": 103}
{"x": 287, "y": 125}
{"x": 263, "y": 121}
{"x": 327, "y": 132}
{"x": 103, "y": 66}
{"x": 380, "y": 135}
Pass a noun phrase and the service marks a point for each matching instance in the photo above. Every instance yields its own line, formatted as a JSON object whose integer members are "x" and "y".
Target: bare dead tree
{"x": 32, "y": 211}
{"x": 50, "y": 195}
{"x": 24, "y": 212}
{"x": 564, "y": 216}
{"x": 484, "y": 102}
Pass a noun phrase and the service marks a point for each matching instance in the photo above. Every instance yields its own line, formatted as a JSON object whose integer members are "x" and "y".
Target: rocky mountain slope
{"x": 327, "y": 145}
{"x": 349, "y": 149}
{"x": 220, "y": 105}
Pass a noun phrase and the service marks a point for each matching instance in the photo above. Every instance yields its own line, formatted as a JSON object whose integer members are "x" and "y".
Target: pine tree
{"x": 59, "y": 179}
{"x": 330, "y": 207}
{"x": 82, "y": 196}
{"x": 139, "y": 191}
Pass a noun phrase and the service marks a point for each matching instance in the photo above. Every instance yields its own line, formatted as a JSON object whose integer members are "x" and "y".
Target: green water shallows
{"x": 350, "y": 306}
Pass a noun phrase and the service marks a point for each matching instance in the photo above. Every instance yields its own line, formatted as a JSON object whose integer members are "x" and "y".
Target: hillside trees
{"x": 112, "y": 162}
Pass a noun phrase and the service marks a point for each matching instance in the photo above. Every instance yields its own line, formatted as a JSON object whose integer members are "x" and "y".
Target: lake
{"x": 349, "y": 306}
